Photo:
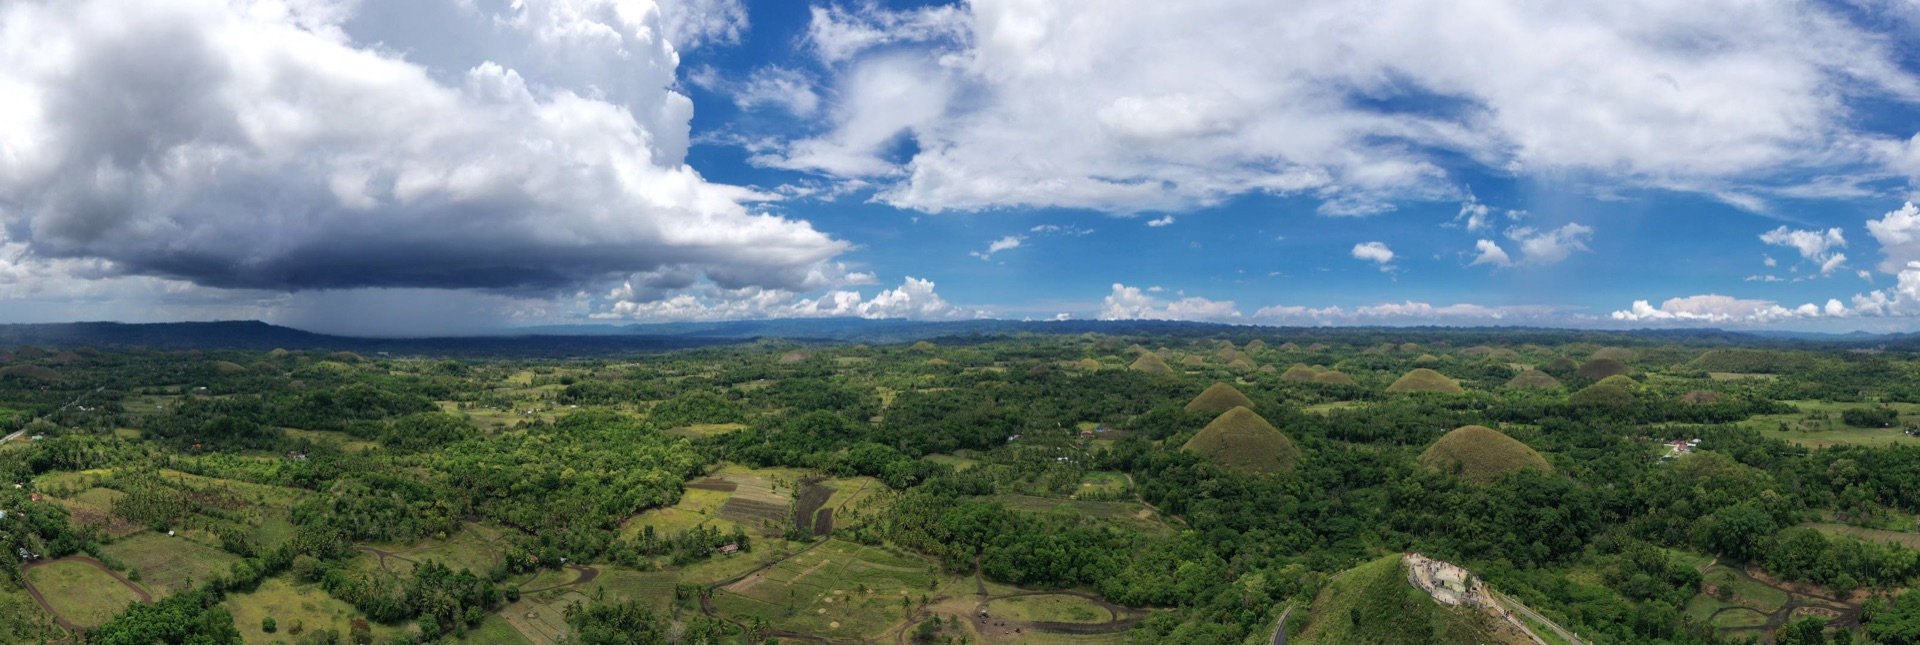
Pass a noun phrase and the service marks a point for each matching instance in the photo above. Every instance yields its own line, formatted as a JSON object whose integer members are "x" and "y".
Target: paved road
{"x": 1280, "y": 631}
{"x": 1516, "y": 606}
{"x": 13, "y": 436}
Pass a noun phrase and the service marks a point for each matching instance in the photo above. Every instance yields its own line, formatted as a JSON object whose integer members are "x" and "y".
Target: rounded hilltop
{"x": 1482, "y": 454}
{"x": 1150, "y": 363}
{"x": 1219, "y": 397}
{"x": 1425, "y": 380}
{"x": 1533, "y": 379}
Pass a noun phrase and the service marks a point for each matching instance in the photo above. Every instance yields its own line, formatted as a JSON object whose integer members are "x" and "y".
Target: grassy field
{"x": 274, "y": 530}
{"x": 476, "y": 547}
{"x": 1909, "y": 540}
{"x": 840, "y": 589}
{"x": 81, "y": 593}
{"x": 1101, "y": 484}
{"x": 958, "y": 463}
{"x": 343, "y": 440}
{"x": 696, "y": 507}
{"x": 539, "y": 619}
{"x": 699, "y": 430}
{"x": 290, "y": 604}
{"x": 1323, "y": 408}
{"x": 655, "y": 588}
{"x": 1740, "y": 617}
{"x": 169, "y": 565}
{"x": 1058, "y": 608}
{"x": 1737, "y": 376}
{"x": 1120, "y": 513}
{"x": 495, "y": 629}
{"x": 1746, "y": 592}
{"x": 1818, "y": 425}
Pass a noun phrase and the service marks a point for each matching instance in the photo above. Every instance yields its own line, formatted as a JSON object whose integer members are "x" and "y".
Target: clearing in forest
{"x": 170, "y": 564}
{"x": 80, "y": 591}
{"x": 839, "y": 589}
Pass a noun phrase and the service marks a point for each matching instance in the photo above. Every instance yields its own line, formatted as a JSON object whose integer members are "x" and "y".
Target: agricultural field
{"x": 292, "y": 606}
{"x": 476, "y": 547}
{"x": 698, "y": 505}
{"x": 168, "y": 565}
{"x": 1818, "y": 424}
{"x": 699, "y": 430}
{"x": 1057, "y": 608}
{"x": 81, "y": 592}
{"x": 837, "y": 588}
{"x": 652, "y": 588}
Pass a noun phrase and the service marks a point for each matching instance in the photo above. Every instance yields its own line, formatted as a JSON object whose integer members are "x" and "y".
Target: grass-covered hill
{"x": 1533, "y": 379}
{"x": 1240, "y": 440}
{"x": 1425, "y": 380}
{"x": 1373, "y": 604}
{"x": 1481, "y": 454}
{"x": 1219, "y": 397}
{"x": 30, "y": 371}
{"x": 1600, "y": 368}
{"x": 1332, "y": 377}
{"x": 1150, "y": 363}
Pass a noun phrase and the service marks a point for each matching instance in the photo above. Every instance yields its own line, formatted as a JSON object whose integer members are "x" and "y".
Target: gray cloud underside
{"x": 259, "y": 145}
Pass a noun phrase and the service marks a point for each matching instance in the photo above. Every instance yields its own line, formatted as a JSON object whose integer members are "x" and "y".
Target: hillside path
{"x": 1523, "y": 609}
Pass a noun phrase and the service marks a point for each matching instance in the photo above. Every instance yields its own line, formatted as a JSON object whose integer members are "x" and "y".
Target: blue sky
{"x": 451, "y": 166}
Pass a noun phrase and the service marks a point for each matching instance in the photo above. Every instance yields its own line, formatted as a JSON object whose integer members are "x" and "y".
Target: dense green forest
{"x": 1655, "y": 490}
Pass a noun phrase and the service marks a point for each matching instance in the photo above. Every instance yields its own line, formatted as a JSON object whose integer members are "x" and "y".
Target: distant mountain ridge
{"x": 587, "y": 340}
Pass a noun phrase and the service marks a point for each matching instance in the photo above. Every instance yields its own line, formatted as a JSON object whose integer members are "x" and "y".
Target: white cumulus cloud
{"x": 1816, "y": 247}
{"x": 1130, "y": 105}
{"x": 1376, "y": 252}
{"x": 1550, "y": 246}
{"x": 1134, "y": 303}
{"x": 1489, "y": 252}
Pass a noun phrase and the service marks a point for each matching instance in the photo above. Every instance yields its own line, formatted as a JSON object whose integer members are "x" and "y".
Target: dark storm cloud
{"x": 259, "y": 145}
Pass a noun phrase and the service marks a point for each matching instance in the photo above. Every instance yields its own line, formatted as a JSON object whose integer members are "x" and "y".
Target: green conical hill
{"x": 1331, "y": 377}
{"x": 1299, "y": 372}
{"x": 1482, "y": 454}
{"x": 1425, "y": 380}
{"x": 1150, "y": 363}
{"x": 1533, "y": 379}
{"x": 1219, "y": 397}
{"x": 1241, "y": 440}
{"x": 1600, "y": 368}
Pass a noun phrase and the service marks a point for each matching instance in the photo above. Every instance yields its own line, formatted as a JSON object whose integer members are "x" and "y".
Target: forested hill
{"x": 588, "y": 340}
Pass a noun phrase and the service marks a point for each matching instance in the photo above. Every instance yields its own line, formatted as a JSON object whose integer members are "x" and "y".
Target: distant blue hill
{"x": 590, "y": 340}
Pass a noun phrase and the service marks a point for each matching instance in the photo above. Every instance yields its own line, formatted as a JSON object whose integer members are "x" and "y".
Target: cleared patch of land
{"x": 697, "y": 506}
{"x": 292, "y": 604}
{"x": 1127, "y": 514}
{"x": 839, "y": 589}
{"x": 1818, "y": 424}
{"x": 81, "y": 593}
{"x": 699, "y": 430}
{"x": 1909, "y": 540}
{"x": 170, "y": 565}
{"x": 1052, "y": 608}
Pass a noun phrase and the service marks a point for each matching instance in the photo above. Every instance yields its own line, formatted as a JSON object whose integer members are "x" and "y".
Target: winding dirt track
{"x": 1847, "y": 614}
{"x": 57, "y": 619}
